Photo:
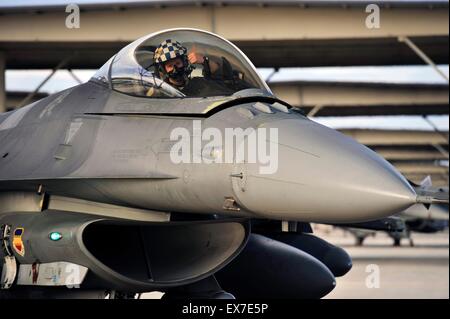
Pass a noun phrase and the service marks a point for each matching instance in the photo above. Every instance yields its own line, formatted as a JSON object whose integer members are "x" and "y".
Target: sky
{"x": 28, "y": 80}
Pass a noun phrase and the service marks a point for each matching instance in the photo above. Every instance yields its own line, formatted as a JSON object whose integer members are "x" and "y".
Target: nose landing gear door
{"x": 9, "y": 264}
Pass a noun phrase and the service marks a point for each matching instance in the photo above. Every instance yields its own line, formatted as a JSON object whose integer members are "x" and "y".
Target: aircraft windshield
{"x": 181, "y": 63}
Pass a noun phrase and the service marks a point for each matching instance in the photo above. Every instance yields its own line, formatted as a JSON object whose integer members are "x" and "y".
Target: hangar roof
{"x": 16, "y": 6}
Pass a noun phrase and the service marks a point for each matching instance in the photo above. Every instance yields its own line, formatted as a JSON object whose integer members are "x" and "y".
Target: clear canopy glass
{"x": 210, "y": 66}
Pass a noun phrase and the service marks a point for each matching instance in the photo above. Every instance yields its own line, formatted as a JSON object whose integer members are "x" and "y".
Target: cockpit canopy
{"x": 212, "y": 66}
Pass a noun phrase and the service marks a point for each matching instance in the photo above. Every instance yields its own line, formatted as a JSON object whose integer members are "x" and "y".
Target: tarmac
{"x": 381, "y": 271}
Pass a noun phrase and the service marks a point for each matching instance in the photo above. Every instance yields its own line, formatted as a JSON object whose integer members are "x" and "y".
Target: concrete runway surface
{"x": 419, "y": 272}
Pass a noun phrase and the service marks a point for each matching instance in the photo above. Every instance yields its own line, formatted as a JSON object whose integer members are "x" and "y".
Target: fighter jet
{"x": 417, "y": 218}
{"x": 176, "y": 169}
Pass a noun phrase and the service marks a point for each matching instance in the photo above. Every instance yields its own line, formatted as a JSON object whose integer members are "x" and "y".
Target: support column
{"x": 31, "y": 95}
{"x": 2, "y": 82}
{"x": 423, "y": 56}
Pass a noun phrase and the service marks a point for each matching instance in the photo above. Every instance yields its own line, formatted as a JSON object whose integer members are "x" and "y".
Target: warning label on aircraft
{"x": 18, "y": 245}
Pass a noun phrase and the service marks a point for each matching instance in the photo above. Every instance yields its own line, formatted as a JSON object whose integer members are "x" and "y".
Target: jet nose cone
{"x": 322, "y": 176}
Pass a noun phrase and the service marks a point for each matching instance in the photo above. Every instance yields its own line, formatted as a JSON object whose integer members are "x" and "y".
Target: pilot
{"x": 175, "y": 67}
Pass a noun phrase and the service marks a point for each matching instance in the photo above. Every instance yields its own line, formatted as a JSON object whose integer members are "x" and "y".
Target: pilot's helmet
{"x": 169, "y": 50}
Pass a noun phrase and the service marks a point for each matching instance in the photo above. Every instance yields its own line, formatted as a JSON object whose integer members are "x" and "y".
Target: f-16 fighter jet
{"x": 176, "y": 169}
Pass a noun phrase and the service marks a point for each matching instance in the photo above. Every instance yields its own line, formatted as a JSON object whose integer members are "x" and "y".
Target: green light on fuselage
{"x": 55, "y": 236}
